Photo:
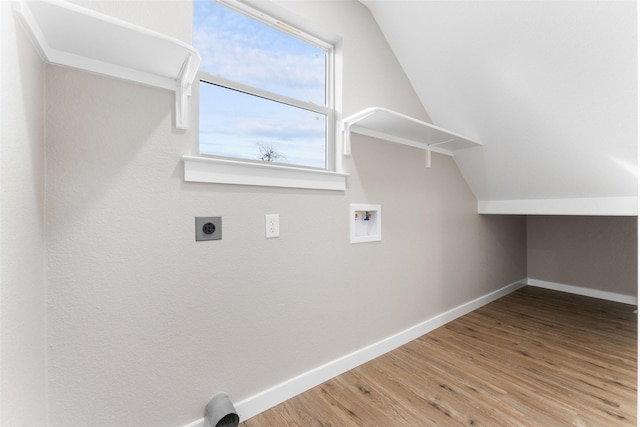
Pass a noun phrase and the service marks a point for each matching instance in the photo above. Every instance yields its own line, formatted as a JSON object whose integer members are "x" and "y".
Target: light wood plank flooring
{"x": 533, "y": 358}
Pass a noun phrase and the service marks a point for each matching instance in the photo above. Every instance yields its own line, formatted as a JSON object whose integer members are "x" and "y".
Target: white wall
{"x": 598, "y": 253}
{"x": 548, "y": 87}
{"x": 144, "y": 324}
{"x": 22, "y": 272}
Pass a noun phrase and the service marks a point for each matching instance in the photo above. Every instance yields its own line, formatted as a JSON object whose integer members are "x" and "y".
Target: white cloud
{"x": 254, "y": 54}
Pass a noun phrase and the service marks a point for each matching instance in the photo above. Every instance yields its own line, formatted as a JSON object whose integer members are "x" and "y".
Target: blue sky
{"x": 234, "y": 123}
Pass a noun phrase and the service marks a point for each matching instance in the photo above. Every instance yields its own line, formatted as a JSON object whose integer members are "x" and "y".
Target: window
{"x": 265, "y": 90}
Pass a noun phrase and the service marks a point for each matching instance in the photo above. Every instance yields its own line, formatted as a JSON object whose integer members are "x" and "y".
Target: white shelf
{"x": 74, "y": 36}
{"x": 396, "y": 127}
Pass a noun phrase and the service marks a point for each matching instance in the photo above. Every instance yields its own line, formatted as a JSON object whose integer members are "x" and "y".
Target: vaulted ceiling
{"x": 548, "y": 87}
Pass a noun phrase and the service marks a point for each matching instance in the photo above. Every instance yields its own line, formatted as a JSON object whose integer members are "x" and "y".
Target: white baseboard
{"x": 198, "y": 423}
{"x": 269, "y": 398}
{"x": 594, "y": 293}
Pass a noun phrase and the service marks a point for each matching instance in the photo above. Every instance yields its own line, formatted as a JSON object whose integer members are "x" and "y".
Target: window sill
{"x": 219, "y": 171}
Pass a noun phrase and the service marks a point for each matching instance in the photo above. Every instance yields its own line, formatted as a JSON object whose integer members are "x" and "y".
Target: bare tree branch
{"x": 268, "y": 153}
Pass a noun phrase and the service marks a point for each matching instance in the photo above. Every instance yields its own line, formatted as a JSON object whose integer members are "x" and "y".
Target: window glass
{"x": 236, "y": 124}
{"x": 263, "y": 88}
{"x": 245, "y": 50}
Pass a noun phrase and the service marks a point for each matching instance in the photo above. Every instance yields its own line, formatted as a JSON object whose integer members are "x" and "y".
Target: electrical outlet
{"x": 272, "y": 223}
{"x": 208, "y": 228}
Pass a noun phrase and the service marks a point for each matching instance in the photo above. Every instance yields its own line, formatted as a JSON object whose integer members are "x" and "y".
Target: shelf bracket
{"x": 183, "y": 93}
{"x": 183, "y": 98}
{"x": 346, "y": 138}
{"x": 428, "y": 151}
{"x": 63, "y": 33}
{"x": 346, "y": 128}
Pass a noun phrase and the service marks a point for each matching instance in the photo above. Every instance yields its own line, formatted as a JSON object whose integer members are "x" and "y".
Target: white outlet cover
{"x": 272, "y": 225}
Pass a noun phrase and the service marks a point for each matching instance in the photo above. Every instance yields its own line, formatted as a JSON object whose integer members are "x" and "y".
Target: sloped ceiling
{"x": 548, "y": 87}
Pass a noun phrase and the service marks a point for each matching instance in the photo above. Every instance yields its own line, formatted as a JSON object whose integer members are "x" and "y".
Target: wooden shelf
{"x": 396, "y": 127}
{"x": 74, "y": 36}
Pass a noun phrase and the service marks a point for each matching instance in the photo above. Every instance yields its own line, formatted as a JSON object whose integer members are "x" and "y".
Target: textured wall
{"x": 144, "y": 324}
{"x": 22, "y": 277}
{"x": 591, "y": 252}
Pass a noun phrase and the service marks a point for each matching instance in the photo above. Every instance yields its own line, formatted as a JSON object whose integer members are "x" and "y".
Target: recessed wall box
{"x": 366, "y": 223}
{"x": 208, "y": 228}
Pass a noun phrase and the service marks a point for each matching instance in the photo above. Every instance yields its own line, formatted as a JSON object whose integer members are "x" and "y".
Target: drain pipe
{"x": 220, "y": 412}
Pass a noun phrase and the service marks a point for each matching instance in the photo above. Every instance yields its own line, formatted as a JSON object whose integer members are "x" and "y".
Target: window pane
{"x": 235, "y": 124}
{"x": 242, "y": 49}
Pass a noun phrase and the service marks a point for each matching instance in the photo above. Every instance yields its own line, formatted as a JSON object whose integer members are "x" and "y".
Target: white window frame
{"x": 211, "y": 169}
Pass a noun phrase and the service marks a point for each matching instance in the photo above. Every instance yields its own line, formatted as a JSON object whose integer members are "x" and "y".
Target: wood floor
{"x": 533, "y": 358}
